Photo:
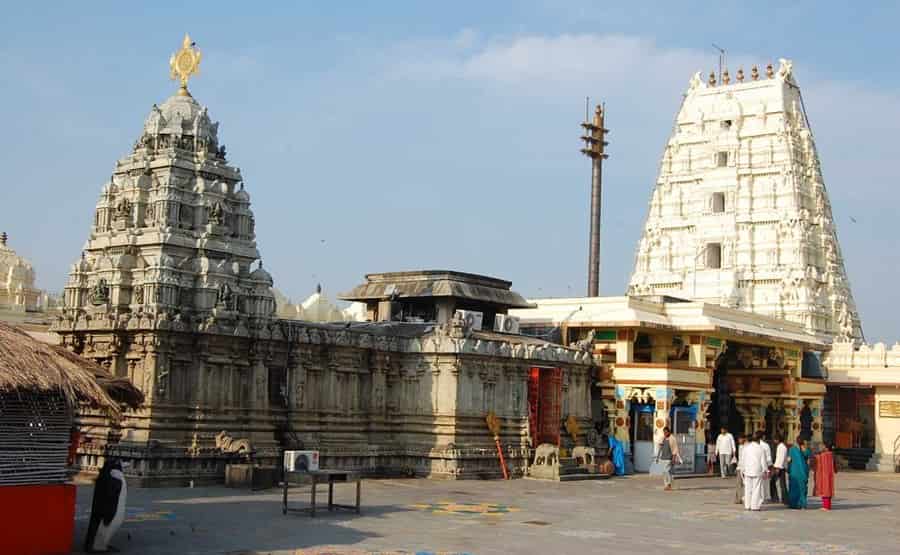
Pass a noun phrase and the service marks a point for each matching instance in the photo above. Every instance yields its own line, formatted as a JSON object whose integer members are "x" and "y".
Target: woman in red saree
{"x": 826, "y": 468}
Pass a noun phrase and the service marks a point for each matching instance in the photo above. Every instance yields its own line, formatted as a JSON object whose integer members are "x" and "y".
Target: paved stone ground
{"x": 625, "y": 515}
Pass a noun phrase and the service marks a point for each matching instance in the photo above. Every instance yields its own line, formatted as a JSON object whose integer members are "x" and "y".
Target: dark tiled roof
{"x": 437, "y": 283}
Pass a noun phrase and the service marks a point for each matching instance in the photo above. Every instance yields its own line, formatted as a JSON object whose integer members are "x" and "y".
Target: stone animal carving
{"x": 546, "y": 454}
{"x": 228, "y": 444}
{"x": 584, "y": 456}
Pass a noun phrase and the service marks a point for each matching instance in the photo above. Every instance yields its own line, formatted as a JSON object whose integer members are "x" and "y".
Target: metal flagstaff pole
{"x": 594, "y": 144}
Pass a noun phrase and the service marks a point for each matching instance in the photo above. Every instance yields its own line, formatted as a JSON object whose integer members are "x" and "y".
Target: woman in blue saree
{"x": 798, "y": 474}
{"x": 617, "y": 455}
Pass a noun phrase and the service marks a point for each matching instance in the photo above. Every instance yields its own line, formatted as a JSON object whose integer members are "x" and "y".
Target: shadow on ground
{"x": 219, "y": 520}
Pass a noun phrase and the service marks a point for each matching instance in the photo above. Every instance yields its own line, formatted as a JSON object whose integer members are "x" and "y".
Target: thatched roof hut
{"x": 29, "y": 365}
{"x": 41, "y": 385}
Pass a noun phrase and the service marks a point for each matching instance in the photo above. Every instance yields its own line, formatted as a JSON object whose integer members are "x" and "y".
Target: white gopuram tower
{"x": 740, "y": 215}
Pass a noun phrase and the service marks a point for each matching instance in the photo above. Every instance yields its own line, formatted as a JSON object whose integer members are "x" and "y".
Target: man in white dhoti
{"x": 738, "y": 473}
{"x": 755, "y": 468}
{"x": 767, "y": 450}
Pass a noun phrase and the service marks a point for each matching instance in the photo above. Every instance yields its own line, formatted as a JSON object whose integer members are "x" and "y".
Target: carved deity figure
{"x": 123, "y": 209}
{"x": 225, "y": 297}
{"x": 100, "y": 293}
{"x": 786, "y": 69}
{"x": 216, "y": 215}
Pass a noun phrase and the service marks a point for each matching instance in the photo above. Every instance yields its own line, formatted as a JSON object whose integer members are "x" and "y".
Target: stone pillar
{"x": 200, "y": 396}
{"x": 621, "y": 419}
{"x": 746, "y": 412}
{"x": 609, "y": 406}
{"x": 296, "y": 382}
{"x": 791, "y": 422}
{"x": 147, "y": 382}
{"x": 625, "y": 346}
{"x": 815, "y": 406}
{"x": 259, "y": 385}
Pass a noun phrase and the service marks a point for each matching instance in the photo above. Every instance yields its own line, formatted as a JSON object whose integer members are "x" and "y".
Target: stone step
{"x": 586, "y": 476}
{"x": 857, "y": 458}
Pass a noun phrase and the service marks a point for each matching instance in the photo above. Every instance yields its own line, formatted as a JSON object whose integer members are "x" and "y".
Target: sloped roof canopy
{"x": 437, "y": 283}
{"x": 29, "y": 365}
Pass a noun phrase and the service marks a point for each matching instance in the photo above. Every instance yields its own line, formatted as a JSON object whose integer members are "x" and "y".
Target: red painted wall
{"x": 37, "y": 520}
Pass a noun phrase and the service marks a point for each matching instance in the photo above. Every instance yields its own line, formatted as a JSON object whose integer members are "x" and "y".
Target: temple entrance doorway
{"x": 850, "y": 417}
{"x": 723, "y": 409}
{"x": 544, "y": 405}
{"x": 641, "y": 433}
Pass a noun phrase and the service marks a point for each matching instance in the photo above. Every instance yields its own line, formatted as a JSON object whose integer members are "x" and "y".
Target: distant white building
{"x": 17, "y": 291}
{"x": 318, "y": 308}
{"x": 739, "y": 215}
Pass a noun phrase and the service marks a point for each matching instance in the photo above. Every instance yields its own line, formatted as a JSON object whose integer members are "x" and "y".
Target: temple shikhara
{"x": 740, "y": 215}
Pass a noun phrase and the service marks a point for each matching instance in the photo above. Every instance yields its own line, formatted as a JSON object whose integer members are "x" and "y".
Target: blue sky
{"x": 397, "y": 135}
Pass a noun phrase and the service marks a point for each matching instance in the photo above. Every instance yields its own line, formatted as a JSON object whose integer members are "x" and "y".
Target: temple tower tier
{"x": 739, "y": 215}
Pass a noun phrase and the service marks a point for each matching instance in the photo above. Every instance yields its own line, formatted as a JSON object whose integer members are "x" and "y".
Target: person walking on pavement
{"x": 826, "y": 468}
{"x": 778, "y": 479}
{"x": 767, "y": 451}
{"x": 725, "y": 450}
{"x": 738, "y": 475}
{"x": 755, "y": 468}
{"x": 798, "y": 474}
{"x": 666, "y": 452}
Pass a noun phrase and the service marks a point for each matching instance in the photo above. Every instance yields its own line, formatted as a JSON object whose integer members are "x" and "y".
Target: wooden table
{"x": 331, "y": 476}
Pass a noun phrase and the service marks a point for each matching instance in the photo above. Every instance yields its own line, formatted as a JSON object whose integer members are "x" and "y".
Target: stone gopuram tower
{"x": 740, "y": 215}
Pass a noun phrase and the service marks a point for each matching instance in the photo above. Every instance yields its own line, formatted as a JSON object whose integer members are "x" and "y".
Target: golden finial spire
{"x": 184, "y": 63}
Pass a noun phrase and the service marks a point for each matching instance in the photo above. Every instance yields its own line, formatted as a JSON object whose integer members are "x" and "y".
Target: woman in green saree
{"x": 798, "y": 474}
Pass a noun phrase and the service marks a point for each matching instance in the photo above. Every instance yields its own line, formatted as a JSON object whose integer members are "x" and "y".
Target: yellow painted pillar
{"x": 625, "y": 346}
{"x": 697, "y": 353}
{"x": 660, "y": 344}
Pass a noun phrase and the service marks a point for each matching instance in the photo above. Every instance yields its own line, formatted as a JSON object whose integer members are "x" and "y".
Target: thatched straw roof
{"x": 29, "y": 365}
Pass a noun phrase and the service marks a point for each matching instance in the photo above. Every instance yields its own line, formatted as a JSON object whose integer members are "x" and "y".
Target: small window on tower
{"x": 718, "y": 203}
{"x": 721, "y": 159}
{"x": 726, "y": 124}
{"x": 714, "y": 255}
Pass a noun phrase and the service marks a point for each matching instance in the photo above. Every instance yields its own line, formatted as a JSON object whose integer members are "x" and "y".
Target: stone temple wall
{"x": 170, "y": 292}
{"x": 394, "y": 399}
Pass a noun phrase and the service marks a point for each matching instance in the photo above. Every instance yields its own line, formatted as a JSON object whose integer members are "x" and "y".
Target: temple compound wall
{"x": 170, "y": 292}
{"x": 384, "y": 398}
